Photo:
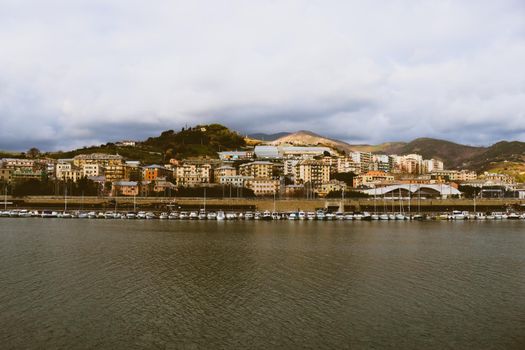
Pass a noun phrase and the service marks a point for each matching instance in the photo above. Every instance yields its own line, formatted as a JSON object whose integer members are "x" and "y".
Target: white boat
{"x": 173, "y": 215}
{"x": 374, "y": 217}
{"x": 391, "y": 217}
{"x": 320, "y": 215}
{"x": 276, "y": 216}
{"x": 141, "y": 215}
{"x": 212, "y": 215}
{"x": 24, "y": 213}
{"x": 349, "y": 216}
{"x": 193, "y": 215}
{"x": 202, "y": 215}
{"x": 366, "y": 216}
{"x": 231, "y": 216}
{"x": 513, "y": 216}
{"x": 339, "y": 216}
{"x": 183, "y": 215}
{"x": 163, "y": 216}
{"x": 49, "y": 214}
{"x": 131, "y": 215}
{"x": 220, "y": 215}
{"x": 330, "y": 216}
{"x": 480, "y": 216}
{"x": 248, "y": 215}
{"x": 92, "y": 215}
{"x": 82, "y": 215}
{"x": 150, "y": 215}
{"x": 498, "y": 215}
{"x": 383, "y": 217}
{"x": 400, "y": 216}
{"x": 292, "y": 216}
{"x": 310, "y": 215}
{"x": 458, "y": 215}
{"x": 301, "y": 215}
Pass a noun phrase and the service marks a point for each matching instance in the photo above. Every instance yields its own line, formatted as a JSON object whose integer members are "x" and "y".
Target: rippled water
{"x": 267, "y": 285}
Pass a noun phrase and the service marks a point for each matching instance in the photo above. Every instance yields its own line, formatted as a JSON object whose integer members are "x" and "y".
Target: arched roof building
{"x": 414, "y": 190}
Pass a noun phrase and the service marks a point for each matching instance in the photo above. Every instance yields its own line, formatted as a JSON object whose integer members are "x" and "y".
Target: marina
{"x": 221, "y": 215}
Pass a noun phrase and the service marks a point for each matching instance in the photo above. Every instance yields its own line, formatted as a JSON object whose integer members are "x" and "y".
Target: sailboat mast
{"x": 375, "y": 207}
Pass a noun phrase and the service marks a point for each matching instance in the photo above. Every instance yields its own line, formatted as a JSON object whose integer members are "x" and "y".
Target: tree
{"x": 348, "y": 178}
{"x": 33, "y": 152}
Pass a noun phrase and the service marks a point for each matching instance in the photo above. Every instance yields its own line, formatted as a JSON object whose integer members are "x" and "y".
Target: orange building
{"x": 154, "y": 172}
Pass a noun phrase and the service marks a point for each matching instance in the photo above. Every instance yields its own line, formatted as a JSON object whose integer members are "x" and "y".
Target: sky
{"x": 75, "y": 73}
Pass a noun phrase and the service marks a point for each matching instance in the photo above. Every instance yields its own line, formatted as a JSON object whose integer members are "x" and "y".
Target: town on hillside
{"x": 261, "y": 170}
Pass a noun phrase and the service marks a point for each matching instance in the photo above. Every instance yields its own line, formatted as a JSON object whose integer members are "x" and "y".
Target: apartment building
{"x": 235, "y": 180}
{"x": 263, "y": 186}
{"x": 225, "y": 170}
{"x": 331, "y": 186}
{"x": 372, "y": 178}
{"x": 314, "y": 172}
{"x": 192, "y": 173}
{"x": 257, "y": 169}
{"x": 154, "y": 172}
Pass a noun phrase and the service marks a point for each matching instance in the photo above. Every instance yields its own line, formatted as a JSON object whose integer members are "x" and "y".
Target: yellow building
{"x": 263, "y": 186}
{"x": 193, "y": 173}
{"x": 312, "y": 171}
{"x": 112, "y": 164}
{"x": 258, "y": 169}
{"x": 225, "y": 170}
{"x": 331, "y": 186}
{"x": 372, "y": 178}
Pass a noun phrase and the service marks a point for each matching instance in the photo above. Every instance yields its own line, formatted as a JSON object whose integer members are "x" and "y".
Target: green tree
{"x": 33, "y": 152}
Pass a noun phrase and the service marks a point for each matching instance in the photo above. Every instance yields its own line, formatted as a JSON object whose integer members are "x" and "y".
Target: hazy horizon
{"x": 82, "y": 73}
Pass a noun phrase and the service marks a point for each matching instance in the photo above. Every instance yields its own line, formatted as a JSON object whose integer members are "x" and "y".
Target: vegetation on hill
{"x": 146, "y": 155}
{"x": 198, "y": 141}
{"x": 503, "y": 151}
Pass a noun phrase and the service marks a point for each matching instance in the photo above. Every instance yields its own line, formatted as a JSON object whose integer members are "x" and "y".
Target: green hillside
{"x": 198, "y": 141}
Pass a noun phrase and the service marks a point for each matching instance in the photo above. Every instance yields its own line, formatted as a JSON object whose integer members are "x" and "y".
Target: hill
{"x": 382, "y": 148}
{"x": 504, "y": 151}
{"x": 308, "y": 138}
{"x": 198, "y": 141}
{"x": 452, "y": 154}
{"x": 267, "y": 137}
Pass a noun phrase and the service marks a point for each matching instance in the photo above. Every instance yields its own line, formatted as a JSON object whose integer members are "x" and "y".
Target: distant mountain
{"x": 268, "y": 137}
{"x": 308, "y": 138}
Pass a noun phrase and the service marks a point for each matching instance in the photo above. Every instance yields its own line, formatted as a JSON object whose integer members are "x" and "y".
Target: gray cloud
{"x": 87, "y": 72}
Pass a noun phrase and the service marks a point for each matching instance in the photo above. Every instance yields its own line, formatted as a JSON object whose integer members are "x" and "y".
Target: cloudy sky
{"x": 76, "y": 72}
